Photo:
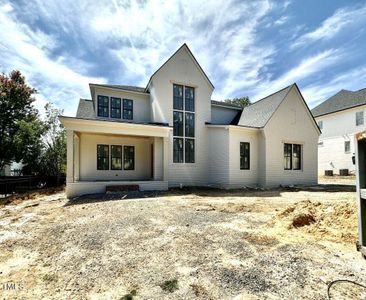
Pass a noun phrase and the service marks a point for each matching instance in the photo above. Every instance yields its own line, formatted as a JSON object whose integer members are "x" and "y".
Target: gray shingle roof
{"x": 342, "y": 100}
{"x": 258, "y": 113}
{"x": 228, "y": 105}
{"x": 122, "y": 87}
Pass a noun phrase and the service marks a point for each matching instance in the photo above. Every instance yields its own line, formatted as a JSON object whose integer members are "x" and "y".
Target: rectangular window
{"x": 177, "y": 97}
{"x": 189, "y": 151}
{"x": 347, "y": 146}
{"x": 189, "y": 98}
{"x": 116, "y": 108}
{"x": 116, "y": 157}
{"x": 128, "y": 157}
{"x": 359, "y": 118}
{"x": 296, "y": 162}
{"x": 127, "y": 109}
{"x": 102, "y": 157}
{"x": 189, "y": 128}
{"x": 103, "y": 106}
{"x": 177, "y": 123}
{"x": 288, "y": 156}
{"x": 244, "y": 156}
{"x": 177, "y": 150}
{"x": 183, "y": 124}
{"x": 320, "y": 124}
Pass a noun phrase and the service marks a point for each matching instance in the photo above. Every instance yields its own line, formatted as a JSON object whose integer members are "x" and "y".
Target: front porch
{"x": 106, "y": 153}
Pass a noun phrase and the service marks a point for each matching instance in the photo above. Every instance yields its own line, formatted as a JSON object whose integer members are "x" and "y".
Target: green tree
{"x": 16, "y": 111}
{"x": 242, "y": 101}
{"x": 53, "y": 158}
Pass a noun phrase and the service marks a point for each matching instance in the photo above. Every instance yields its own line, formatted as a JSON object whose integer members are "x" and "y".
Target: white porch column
{"x": 158, "y": 158}
{"x": 76, "y": 157}
{"x": 165, "y": 158}
{"x": 70, "y": 156}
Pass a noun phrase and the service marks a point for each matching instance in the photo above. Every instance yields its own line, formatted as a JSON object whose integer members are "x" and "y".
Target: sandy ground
{"x": 347, "y": 180}
{"x": 215, "y": 244}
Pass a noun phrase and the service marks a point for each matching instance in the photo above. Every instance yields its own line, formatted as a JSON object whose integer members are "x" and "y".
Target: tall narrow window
{"x": 103, "y": 106}
{"x": 183, "y": 124}
{"x": 244, "y": 156}
{"x": 177, "y": 150}
{"x": 116, "y": 108}
{"x": 177, "y": 96}
{"x": 347, "y": 146}
{"x": 102, "y": 157}
{"x": 288, "y": 156}
{"x": 129, "y": 157}
{"x": 116, "y": 157}
{"x": 359, "y": 118}
{"x": 296, "y": 162}
{"x": 127, "y": 109}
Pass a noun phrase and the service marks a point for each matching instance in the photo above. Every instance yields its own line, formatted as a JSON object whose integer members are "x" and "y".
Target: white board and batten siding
{"x": 338, "y": 128}
{"x": 291, "y": 123}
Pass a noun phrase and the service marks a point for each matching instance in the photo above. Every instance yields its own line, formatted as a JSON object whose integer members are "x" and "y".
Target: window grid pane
{"x": 189, "y": 98}
{"x": 116, "y": 157}
{"x": 178, "y": 150}
{"x": 189, "y": 150}
{"x": 287, "y": 156}
{"x": 115, "y": 107}
{"x": 177, "y": 97}
{"x": 296, "y": 157}
{"x": 244, "y": 156}
{"x": 189, "y": 128}
{"x": 177, "y": 123}
{"x": 129, "y": 157}
{"x": 127, "y": 109}
{"x": 347, "y": 146}
{"x": 103, "y": 106}
{"x": 102, "y": 157}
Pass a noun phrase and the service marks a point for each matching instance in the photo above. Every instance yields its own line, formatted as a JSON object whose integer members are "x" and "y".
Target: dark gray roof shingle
{"x": 258, "y": 113}
{"x": 122, "y": 87}
{"x": 228, "y": 105}
{"x": 342, "y": 100}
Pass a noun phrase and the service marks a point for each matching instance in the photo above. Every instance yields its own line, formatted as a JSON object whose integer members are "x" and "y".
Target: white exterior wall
{"x": 88, "y": 158}
{"x": 222, "y": 115}
{"x": 241, "y": 178}
{"x": 181, "y": 69}
{"x": 337, "y": 128}
{"x": 219, "y": 156}
{"x": 291, "y": 123}
{"x": 141, "y": 103}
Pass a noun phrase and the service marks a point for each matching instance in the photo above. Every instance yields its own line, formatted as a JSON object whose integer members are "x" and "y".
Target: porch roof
{"x": 111, "y": 127}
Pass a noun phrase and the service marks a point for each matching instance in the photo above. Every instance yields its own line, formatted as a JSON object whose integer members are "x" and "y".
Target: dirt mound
{"x": 332, "y": 221}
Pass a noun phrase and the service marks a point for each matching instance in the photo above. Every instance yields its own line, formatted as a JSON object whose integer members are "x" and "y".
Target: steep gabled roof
{"x": 121, "y": 87}
{"x": 227, "y": 105}
{"x": 259, "y": 113}
{"x": 184, "y": 46}
{"x": 342, "y": 100}
{"x": 85, "y": 109}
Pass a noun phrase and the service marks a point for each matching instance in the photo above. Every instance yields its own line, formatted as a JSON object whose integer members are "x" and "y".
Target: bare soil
{"x": 189, "y": 244}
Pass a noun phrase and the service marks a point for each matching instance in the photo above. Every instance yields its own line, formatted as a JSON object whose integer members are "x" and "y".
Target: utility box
{"x": 360, "y": 154}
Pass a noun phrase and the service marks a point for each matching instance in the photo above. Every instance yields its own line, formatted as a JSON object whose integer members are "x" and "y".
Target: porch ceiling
{"x": 110, "y": 127}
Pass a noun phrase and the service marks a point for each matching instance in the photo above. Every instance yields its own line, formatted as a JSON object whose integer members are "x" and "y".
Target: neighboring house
{"x": 12, "y": 169}
{"x": 171, "y": 133}
{"x": 339, "y": 118}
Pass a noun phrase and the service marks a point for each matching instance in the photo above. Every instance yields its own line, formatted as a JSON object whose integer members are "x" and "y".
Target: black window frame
{"x": 287, "y": 155}
{"x": 115, "y": 109}
{"x": 99, "y": 157}
{"x": 127, "y": 157}
{"x": 296, "y": 159}
{"x": 184, "y": 124}
{"x": 114, "y": 157}
{"x": 244, "y": 156}
{"x": 347, "y": 146}
{"x": 103, "y": 107}
{"x": 126, "y": 109}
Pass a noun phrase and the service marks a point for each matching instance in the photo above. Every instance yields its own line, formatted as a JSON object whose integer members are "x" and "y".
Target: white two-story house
{"x": 339, "y": 118}
{"x": 170, "y": 133}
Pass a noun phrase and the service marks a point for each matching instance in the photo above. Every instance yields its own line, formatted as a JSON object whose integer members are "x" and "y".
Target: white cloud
{"x": 28, "y": 51}
{"x": 333, "y": 25}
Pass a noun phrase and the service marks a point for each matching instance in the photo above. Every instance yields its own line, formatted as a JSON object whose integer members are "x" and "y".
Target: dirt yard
{"x": 189, "y": 244}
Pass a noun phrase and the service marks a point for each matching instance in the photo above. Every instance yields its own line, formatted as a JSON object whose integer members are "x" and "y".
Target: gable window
{"x": 115, "y": 107}
{"x": 127, "y": 109}
{"x": 359, "y": 118}
{"x": 347, "y": 146}
{"x": 244, "y": 156}
{"x": 103, "y": 106}
{"x": 116, "y": 157}
{"x": 102, "y": 157}
{"x": 320, "y": 124}
{"x": 292, "y": 156}
{"x": 183, "y": 124}
{"x": 129, "y": 157}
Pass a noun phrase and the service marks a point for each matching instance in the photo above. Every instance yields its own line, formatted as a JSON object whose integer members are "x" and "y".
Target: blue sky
{"x": 248, "y": 48}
